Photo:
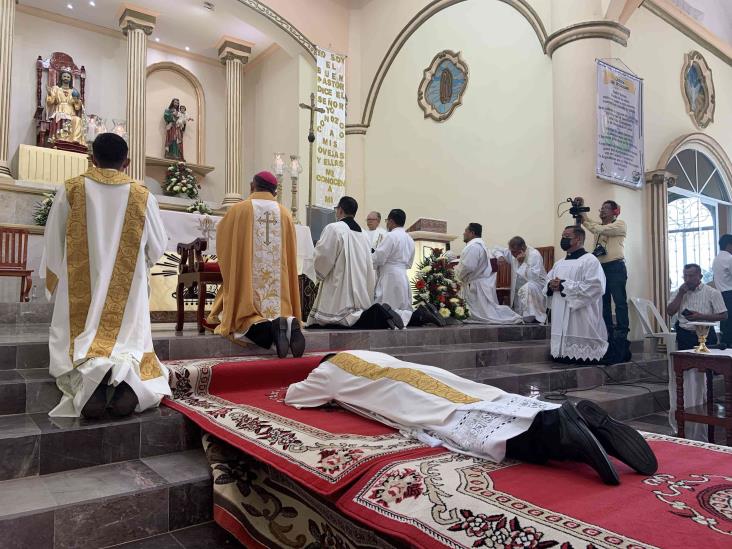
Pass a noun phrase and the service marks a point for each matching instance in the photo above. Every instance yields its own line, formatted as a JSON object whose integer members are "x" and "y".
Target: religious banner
{"x": 619, "y": 126}
{"x": 330, "y": 142}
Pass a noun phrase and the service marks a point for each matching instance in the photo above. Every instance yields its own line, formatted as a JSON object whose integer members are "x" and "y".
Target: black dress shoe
{"x": 576, "y": 442}
{"x": 279, "y": 334}
{"x": 395, "y": 318}
{"x": 432, "y": 315}
{"x": 297, "y": 339}
{"x": 619, "y": 440}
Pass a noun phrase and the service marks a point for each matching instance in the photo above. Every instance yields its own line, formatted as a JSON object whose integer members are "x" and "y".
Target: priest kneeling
{"x": 259, "y": 300}
{"x": 576, "y": 286}
{"x": 440, "y": 408}
{"x": 103, "y": 233}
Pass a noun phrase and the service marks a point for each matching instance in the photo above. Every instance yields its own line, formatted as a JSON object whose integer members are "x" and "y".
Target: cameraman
{"x": 610, "y": 250}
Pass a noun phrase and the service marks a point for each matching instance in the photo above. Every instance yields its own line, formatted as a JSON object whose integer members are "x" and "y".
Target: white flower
{"x": 442, "y": 288}
{"x": 459, "y": 311}
{"x": 176, "y": 188}
{"x": 427, "y": 269}
{"x": 444, "y": 312}
{"x": 454, "y": 300}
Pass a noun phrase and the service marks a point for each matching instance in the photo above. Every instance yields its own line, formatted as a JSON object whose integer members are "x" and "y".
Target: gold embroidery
{"x": 124, "y": 269}
{"x": 150, "y": 367}
{"x": 51, "y": 281}
{"x": 77, "y": 260}
{"x": 107, "y": 176}
{"x": 416, "y": 378}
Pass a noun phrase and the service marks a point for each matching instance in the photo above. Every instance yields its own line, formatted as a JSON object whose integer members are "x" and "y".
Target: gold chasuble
{"x": 257, "y": 251}
{"x": 103, "y": 232}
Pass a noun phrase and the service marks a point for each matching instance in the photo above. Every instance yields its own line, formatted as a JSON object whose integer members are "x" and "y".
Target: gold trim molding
{"x": 607, "y": 30}
{"x": 200, "y": 102}
{"x": 701, "y": 118}
{"x": 690, "y": 28}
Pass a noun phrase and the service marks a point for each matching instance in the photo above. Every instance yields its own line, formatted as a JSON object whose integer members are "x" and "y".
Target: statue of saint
{"x": 64, "y": 105}
{"x": 175, "y": 125}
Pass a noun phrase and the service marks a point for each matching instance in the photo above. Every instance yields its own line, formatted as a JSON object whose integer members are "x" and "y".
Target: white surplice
{"x": 392, "y": 259}
{"x": 346, "y": 276}
{"x": 578, "y": 330}
{"x": 528, "y": 282}
{"x": 103, "y": 234}
{"x": 377, "y": 236}
{"x": 479, "y": 286}
{"x": 423, "y": 402}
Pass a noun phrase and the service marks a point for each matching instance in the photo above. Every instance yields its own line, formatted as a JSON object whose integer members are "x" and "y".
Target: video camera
{"x": 577, "y": 210}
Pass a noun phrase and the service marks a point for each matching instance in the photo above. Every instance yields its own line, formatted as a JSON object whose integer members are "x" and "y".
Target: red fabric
{"x": 648, "y": 509}
{"x": 209, "y": 267}
{"x": 253, "y": 383}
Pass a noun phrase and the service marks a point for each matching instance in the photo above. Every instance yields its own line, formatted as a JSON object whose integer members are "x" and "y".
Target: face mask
{"x": 565, "y": 243}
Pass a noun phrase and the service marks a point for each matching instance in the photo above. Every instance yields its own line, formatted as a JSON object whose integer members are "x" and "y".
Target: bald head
{"x": 373, "y": 220}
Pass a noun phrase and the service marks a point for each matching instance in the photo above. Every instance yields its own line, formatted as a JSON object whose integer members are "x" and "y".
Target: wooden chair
{"x": 195, "y": 273}
{"x": 503, "y": 278}
{"x": 14, "y": 258}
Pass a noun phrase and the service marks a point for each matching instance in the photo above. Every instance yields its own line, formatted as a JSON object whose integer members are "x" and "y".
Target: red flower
{"x": 421, "y": 284}
{"x": 441, "y": 298}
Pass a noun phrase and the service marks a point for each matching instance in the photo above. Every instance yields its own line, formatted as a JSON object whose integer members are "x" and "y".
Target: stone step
{"x": 24, "y": 347}
{"x": 107, "y": 505}
{"x": 626, "y": 402}
{"x": 33, "y": 444}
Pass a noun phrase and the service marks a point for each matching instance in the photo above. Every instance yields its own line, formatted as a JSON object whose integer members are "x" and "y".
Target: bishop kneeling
{"x": 259, "y": 300}
{"x": 103, "y": 233}
{"x": 528, "y": 280}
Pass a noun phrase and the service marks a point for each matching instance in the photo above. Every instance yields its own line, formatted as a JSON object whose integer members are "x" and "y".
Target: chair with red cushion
{"x": 194, "y": 272}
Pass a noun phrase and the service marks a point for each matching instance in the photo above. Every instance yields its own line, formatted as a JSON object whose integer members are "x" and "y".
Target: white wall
{"x": 491, "y": 162}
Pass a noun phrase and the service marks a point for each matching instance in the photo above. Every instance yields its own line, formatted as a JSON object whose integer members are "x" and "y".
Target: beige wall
{"x": 162, "y": 87}
{"x": 491, "y": 162}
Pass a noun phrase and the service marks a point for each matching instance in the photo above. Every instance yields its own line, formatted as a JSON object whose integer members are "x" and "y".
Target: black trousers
{"x": 540, "y": 443}
{"x": 261, "y": 334}
{"x": 687, "y": 340}
{"x": 373, "y": 318}
{"x": 726, "y": 325}
{"x": 616, "y": 277}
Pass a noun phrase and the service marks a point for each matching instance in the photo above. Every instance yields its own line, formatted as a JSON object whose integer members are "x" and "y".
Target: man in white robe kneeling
{"x": 103, "y": 233}
{"x": 528, "y": 280}
{"x": 440, "y": 408}
{"x": 576, "y": 286}
{"x": 476, "y": 274}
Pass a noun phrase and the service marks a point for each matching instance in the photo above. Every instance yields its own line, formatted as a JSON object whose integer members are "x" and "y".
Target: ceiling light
{"x": 70, "y": 6}
{"x": 157, "y": 39}
{"x": 188, "y": 49}
{"x": 92, "y": 3}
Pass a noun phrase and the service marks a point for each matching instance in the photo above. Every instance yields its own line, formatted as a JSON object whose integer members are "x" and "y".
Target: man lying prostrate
{"x": 440, "y": 408}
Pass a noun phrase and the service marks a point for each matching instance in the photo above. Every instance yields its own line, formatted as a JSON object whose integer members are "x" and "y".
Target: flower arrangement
{"x": 43, "y": 208}
{"x": 179, "y": 179}
{"x": 435, "y": 283}
{"x": 199, "y": 206}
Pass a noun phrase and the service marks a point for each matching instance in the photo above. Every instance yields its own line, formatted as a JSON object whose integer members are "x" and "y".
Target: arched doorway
{"x": 698, "y": 209}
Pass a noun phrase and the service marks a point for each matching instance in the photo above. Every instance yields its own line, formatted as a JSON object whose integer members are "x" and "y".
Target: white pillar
{"x": 233, "y": 54}
{"x": 137, "y": 26}
{"x": 7, "y": 30}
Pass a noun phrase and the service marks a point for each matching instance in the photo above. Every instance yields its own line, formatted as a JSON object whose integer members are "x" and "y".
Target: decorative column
{"x": 136, "y": 25}
{"x": 7, "y": 30}
{"x": 657, "y": 184}
{"x": 234, "y": 54}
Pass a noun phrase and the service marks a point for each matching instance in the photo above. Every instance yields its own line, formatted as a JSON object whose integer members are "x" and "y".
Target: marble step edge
{"x": 155, "y": 496}
{"x": 623, "y": 402}
{"x": 35, "y": 444}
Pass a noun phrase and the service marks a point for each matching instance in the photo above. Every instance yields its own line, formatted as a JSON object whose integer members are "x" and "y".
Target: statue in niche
{"x": 64, "y": 106}
{"x": 176, "y": 119}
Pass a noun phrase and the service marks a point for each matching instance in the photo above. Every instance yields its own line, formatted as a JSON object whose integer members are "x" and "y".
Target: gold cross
{"x": 268, "y": 218}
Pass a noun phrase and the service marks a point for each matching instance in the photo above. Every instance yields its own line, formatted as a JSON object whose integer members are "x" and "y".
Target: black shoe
{"x": 431, "y": 314}
{"x": 279, "y": 334}
{"x": 619, "y": 440}
{"x": 578, "y": 443}
{"x": 297, "y": 339}
{"x": 124, "y": 401}
{"x": 97, "y": 403}
{"x": 395, "y": 318}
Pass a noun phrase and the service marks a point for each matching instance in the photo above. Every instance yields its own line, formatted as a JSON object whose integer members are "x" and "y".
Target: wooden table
{"x": 716, "y": 362}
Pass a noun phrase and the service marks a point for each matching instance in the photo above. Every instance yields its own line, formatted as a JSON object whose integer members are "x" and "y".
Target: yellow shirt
{"x": 611, "y": 236}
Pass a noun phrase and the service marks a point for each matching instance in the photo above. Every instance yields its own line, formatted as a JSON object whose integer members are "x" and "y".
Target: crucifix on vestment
{"x": 268, "y": 218}
{"x": 311, "y": 139}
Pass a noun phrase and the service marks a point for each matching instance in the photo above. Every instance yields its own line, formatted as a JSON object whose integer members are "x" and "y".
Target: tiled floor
{"x": 202, "y": 536}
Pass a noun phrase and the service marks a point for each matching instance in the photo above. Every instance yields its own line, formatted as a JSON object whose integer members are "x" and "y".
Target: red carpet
{"x": 241, "y": 402}
{"x": 458, "y": 501}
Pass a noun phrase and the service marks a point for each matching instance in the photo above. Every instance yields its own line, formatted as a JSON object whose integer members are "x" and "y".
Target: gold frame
{"x": 200, "y": 102}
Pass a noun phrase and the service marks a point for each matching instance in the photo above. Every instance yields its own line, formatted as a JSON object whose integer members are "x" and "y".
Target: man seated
{"x": 103, "y": 232}
{"x": 693, "y": 302}
{"x": 528, "y": 280}
{"x": 576, "y": 286}
{"x": 440, "y": 408}
{"x": 259, "y": 300}
{"x": 478, "y": 280}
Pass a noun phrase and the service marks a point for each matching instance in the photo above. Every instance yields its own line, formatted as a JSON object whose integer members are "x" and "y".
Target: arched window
{"x": 693, "y": 212}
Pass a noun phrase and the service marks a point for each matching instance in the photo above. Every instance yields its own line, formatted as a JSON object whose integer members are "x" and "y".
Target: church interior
{"x": 509, "y": 117}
